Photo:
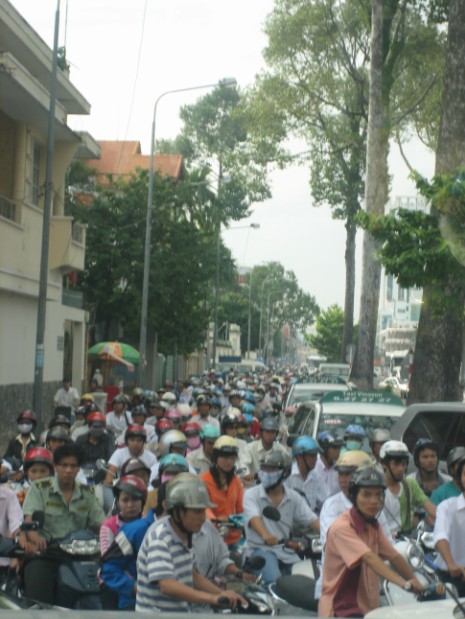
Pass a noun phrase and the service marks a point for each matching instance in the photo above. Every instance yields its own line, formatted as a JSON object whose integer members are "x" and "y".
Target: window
{"x": 440, "y": 427}
{"x": 36, "y": 193}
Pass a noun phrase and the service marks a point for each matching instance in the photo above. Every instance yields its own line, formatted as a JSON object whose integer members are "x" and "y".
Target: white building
{"x": 25, "y": 75}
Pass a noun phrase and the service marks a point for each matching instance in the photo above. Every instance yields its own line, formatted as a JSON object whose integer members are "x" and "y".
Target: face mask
{"x": 25, "y": 428}
{"x": 97, "y": 432}
{"x": 352, "y": 445}
{"x": 269, "y": 479}
{"x": 193, "y": 442}
{"x": 165, "y": 478}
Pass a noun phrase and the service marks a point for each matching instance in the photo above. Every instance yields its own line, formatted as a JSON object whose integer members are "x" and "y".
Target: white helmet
{"x": 394, "y": 449}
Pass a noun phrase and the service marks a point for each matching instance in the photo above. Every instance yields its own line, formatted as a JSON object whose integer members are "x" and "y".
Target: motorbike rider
{"x": 224, "y": 486}
{"x": 330, "y": 451}
{"x": 155, "y": 410}
{"x": 135, "y": 438}
{"x": 201, "y": 459}
{"x": 334, "y": 506}
{"x": 448, "y": 535}
{"x": 66, "y": 506}
{"x": 403, "y": 496}
{"x": 426, "y": 459}
{"x": 303, "y": 477}
{"x": 253, "y": 452}
{"x": 262, "y": 533}
{"x": 451, "y": 488}
{"x": 167, "y": 579}
{"x": 354, "y": 436}
{"x": 356, "y": 550}
{"x": 38, "y": 463}
{"x": 119, "y": 419}
{"x": 203, "y": 416}
{"x": 191, "y": 430}
{"x": 119, "y": 585}
{"x": 377, "y": 438}
{"x": 23, "y": 441}
{"x": 97, "y": 443}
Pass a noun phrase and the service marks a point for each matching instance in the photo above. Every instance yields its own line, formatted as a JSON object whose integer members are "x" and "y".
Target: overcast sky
{"x": 183, "y": 43}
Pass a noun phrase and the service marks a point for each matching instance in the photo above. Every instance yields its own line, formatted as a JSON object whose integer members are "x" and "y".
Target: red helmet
{"x": 27, "y": 416}
{"x": 96, "y": 417}
{"x": 163, "y": 425}
{"x": 38, "y": 455}
{"x": 173, "y": 415}
{"x": 134, "y": 431}
{"x": 190, "y": 428}
{"x": 133, "y": 485}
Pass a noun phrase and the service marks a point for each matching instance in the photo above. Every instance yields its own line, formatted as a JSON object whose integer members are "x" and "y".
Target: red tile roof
{"x": 121, "y": 158}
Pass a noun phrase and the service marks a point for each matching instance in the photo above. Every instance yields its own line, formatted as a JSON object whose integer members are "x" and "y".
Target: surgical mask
{"x": 25, "y": 428}
{"x": 268, "y": 479}
{"x": 165, "y": 477}
{"x": 193, "y": 442}
{"x": 352, "y": 445}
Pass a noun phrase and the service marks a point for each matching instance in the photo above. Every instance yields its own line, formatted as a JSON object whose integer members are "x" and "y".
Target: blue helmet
{"x": 173, "y": 463}
{"x": 305, "y": 445}
{"x": 210, "y": 432}
{"x": 216, "y": 402}
{"x": 249, "y": 397}
{"x": 248, "y": 409}
{"x": 354, "y": 429}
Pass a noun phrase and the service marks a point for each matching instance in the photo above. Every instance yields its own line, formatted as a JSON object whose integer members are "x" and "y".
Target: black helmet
{"x": 58, "y": 434}
{"x": 365, "y": 478}
{"x": 455, "y": 454}
{"x": 59, "y": 420}
{"x": 269, "y": 423}
{"x": 326, "y": 439}
{"x": 420, "y": 445}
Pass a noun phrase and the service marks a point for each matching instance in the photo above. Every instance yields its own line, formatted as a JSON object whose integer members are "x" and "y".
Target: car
{"x": 304, "y": 391}
{"x": 336, "y": 410}
{"x": 442, "y": 422}
{"x": 398, "y": 387}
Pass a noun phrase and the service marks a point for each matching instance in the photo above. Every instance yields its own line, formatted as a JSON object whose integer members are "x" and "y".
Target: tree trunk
{"x": 436, "y": 363}
{"x": 376, "y": 194}
{"x": 349, "y": 257}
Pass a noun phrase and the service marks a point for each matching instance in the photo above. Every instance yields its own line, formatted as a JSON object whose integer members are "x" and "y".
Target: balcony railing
{"x": 7, "y": 208}
{"x": 72, "y": 298}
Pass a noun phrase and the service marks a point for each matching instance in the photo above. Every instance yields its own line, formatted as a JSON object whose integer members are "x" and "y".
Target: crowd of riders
{"x": 192, "y": 469}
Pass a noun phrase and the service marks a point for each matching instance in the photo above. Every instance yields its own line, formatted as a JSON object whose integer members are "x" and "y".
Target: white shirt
{"x": 122, "y": 455}
{"x": 312, "y": 486}
{"x": 450, "y": 526}
{"x": 294, "y": 513}
{"x": 198, "y": 461}
{"x": 118, "y": 423}
{"x": 392, "y": 510}
{"x": 66, "y": 398}
{"x": 329, "y": 476}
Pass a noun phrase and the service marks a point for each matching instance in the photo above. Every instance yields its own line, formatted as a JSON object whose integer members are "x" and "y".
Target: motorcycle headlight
{"x": 427, "y": 539}
{"x": 317, "y": 546}
{"x": 81, "y": 547}
{"x": 415, "y": 555}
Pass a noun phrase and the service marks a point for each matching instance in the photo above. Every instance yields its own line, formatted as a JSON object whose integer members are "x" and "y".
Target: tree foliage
{"x": 182, "y": 261}
{"x": 328, "y": 337}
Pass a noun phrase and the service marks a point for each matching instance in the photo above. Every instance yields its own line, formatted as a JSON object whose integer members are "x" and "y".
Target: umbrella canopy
{"x": 114, "y": 352}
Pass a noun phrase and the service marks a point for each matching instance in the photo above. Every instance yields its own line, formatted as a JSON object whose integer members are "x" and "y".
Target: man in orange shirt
{"x": 223, "y": 485}
{"x": 356, "y": 549}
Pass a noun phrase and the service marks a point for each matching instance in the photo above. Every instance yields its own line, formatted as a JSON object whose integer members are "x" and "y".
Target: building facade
{"x": 25, "y": 76}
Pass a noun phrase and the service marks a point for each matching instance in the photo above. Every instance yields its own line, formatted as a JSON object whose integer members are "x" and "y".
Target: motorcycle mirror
{"x": 101, "y": 464}
{"x": 272, "y": 513}
{"x": 254, "y": 563}
{"x": 31, "y": 525}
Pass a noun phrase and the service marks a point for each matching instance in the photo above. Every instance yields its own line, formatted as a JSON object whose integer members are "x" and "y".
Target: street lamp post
{"x": 217, "y": 285}
{"x": 229, "y": 82}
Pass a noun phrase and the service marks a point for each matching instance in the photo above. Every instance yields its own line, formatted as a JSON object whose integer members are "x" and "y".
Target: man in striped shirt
{"x": 167, "y": 579}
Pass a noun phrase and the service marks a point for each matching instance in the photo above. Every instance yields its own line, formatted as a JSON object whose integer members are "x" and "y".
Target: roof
{"x": 122, "y": 158}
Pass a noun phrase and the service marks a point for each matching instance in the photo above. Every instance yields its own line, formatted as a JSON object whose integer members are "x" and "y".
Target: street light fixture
{"x": 254, "y": 226}
{"x": 228, "y": 82}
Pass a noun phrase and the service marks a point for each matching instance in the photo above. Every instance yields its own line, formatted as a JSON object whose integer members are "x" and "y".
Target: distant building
{"x": 25, "y": 75}
{"x": 399, "y": 308}
{"x": 122, "y": 158}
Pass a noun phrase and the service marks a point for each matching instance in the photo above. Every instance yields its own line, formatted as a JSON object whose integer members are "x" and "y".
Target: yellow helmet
{"x": 353, "y": 460}
{"x": 225, "y": 445}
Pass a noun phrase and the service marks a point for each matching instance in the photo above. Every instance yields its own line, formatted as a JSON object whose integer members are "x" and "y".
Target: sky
{"x": 125, "y": 53}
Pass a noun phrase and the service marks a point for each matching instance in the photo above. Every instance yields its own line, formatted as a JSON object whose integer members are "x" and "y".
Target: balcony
{"x": 67, "y": 245}
{"x": 8, "y": 208}
{"x": 72, "y": 298}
